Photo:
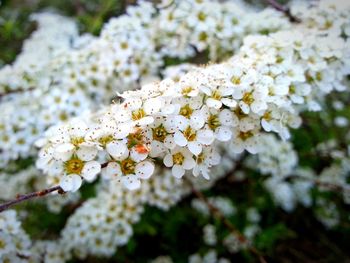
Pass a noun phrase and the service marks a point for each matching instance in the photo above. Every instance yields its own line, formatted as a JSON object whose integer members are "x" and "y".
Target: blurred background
{"x": 283, "y": 237}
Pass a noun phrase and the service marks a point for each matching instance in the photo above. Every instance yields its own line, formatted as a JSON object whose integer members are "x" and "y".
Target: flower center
{"x": 186, "y": 111}
{"x": 159, "y": 133}
{"x": 138, "y": 114}
{"x": 267, "y": 115}
{"x": 292, "y": 89}
{"x": 279, "y": 59}
{"x": 201, "y": 158}
{"x": 186, "y": 90}
{"x": 124, "y": 45}
{"x": 213, "y": 121}
{"x": 74, "y": 166}
{"x": 216, "y": 95}
{"x": 236, "y": 80}
{"x": 128, "y": 166}
{"x": 248, "y": 98}
{"x": 203, "y": 36}
{"x": 245, "y": 135}
{"x": 105, "y": 140}
{"x": 190, "y": 134}
{"x": 239, "y": 113}
{"x": 77, "y": 140}
{"x": 135, "y": 138}
{"x": 178, "y": 158}
{"x": 201, "y": 16}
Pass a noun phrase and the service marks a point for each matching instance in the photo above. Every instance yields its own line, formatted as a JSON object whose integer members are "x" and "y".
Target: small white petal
{"x": 205, "y": 90}
{"x": 157, "y": 148}
{"x": 123, "y": 130}
{"x": 180, "y": 139}
{"x": 63, "y": 152}
{"x": 90, "y": 170}
{"x": 144, "y": 169}
{"x": 116, "y": 149}
{"x": 178, "y": 171}
{"x": 205, "y": 137}
{"x": 86, "y": 153}
{"x": 212, "y": 103}
{"x": 181, "y": 122}
{"x": 189, "y": 163}
{"x": 244, "y": 107}
{"x": 223, "y": 134}
{"x": 197, "y": 120}
{"x": 195, "y": 147}
{"x": 70, "y": 183}
{"x": 229, "y": 102}
{"x": 169, "y": 142}
{"x": 168, "y": 160}
{"x": 152, "y": 106}
{"x": 266, "y": 125}
{"x": 131, "y": 182}
{"x": 226, "y": 118}
{"x": 237, "y": 146}
{"x": 145, "y": 121}
{"x": 113, "y": 170}
{"x": 137, "y": 157}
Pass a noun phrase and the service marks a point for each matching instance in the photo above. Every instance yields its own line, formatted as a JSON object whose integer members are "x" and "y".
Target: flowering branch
{"x": 284, "y": 10}
{"x": 217, "y": 213}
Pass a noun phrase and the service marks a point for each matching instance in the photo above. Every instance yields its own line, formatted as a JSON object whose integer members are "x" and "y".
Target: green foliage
{"x": 15, "y": 26}
{"x": 269, "y": 236}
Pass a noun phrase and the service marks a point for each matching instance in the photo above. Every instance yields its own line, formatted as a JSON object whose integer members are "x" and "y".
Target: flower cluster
{"x": 194, "y": 119}
{"x": 60, "y": 74}
{"x": 180, "y": 123}
{"x": 105, "y": 222}
{"x": 14, "y": 242}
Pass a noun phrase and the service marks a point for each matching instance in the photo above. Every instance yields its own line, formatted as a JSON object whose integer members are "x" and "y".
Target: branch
{"x": 330, "y": 186}
{"x": 284, "y": 10}
{"x": 21, "y": 198}
{"x": 15, "y": 92}
{"x": 24, "y": 197}
{"x": 217, "y": 213}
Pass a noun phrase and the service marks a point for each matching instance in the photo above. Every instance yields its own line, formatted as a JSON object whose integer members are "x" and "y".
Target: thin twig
{"x": 284, "y": 10}
{"x": 15, "y": 92}
{"x": 24, "y": 197}
{"x": 217, "y": 213}
{"x": 319, "y": 183}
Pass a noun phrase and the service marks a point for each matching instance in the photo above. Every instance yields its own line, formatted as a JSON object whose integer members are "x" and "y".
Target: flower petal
{"x": 116, "y": 149}
{"x": 131, "y": 182}
{"x": 90, "y": 170}
{"x": 86, "y": 153}
{"x": 144, "y": 169}
{"x": 178, "y": 171}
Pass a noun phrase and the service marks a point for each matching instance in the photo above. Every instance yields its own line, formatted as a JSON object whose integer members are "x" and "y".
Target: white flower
{"x": 194, "y": 139}
{"x": 221, "y": 122}
{"x": 76, "y": 170}
{"x": 137, "y": 111}
{"x": 129, "y": 172}
{"x": 204, "y": 161}
{"x": 245, "y": 140}
{"x": 6, "y": 242}
{"x": 180, "y": 159}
